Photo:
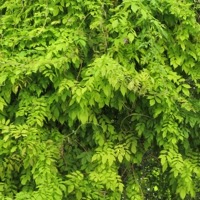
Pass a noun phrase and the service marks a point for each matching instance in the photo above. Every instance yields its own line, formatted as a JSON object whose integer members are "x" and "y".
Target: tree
{"x": 99, "y": 99}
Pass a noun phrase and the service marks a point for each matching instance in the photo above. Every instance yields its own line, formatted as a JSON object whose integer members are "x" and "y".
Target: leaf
{"x": 127, "y": 156}
{"x": 144, "y": 13}
{"x": 83, "y": 116}
{"x": 55, "y": 11}
{"x": 131, "y": 37}
{"x": 13, "y": 149}
{"x": 120, "y": 158}
{"x": 121, "y": 187}
{"x": 3, "y": 77}
{"x": 158, "y": 100}
{"x": 107, "y": 90}
{"x": 157, "y": 111}
{"x": 104, "y": 159}
{"x": 182, "y": 193}
{"x": 123, "y": 90}
{"x": 133, "y": 147}
{"x": 6, "y": 137}
{"x": 115, "y": 23}
{"x": 186, "y": 86}
{"x": 56, "y": 112}
{"x": 111, "y": 159}
{"x": 78, "y": 195}
{"x": 186, "y": 91}
{"x": 155, "y": 188}
{"x": 70, "y": 188}
{"x": 2, "y": 103}
{"x": 152, "y": 102}
{"x": 134, "y": 8}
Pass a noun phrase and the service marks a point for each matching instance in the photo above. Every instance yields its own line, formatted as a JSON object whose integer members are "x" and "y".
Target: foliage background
{"x": 99, "y": 99}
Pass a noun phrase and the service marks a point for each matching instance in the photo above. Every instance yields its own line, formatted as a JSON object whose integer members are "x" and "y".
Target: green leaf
{"x": 134, "y": 7}
{"x": 131, "y": 37}
{"x": 127, "y": 156}
{"x": 107, "y": 90}
{"x": 104, "y": 159}
{"x": 111, "y": 159}
{"x": 182, "y": 193}
{"x": 2, "y": 103}
{"x": 6, "y": 137}
{"x": 115, "y": 23}
{"x": 3, "y": 77}
{"x": 70, "y": 188}
{"x": 152, "y": 102}
{"x": 123, "y": 90}
{"x": 134, "y": 147}
{"x": 78, "y": 195}
{"x": 13, "y": 149}
{"x": 157, "y": 111}
{"x": 186, "y": 91}
{"x": 83, "y": 116}
{"x": 155, "y": 188}
{"x": 120, "y": 158}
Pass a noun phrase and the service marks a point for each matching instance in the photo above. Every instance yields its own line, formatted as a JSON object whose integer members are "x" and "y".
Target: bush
{"x": 99, "y": 99}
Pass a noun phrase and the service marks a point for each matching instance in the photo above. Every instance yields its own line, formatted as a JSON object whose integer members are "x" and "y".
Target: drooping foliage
{"x": 99, "y": 99}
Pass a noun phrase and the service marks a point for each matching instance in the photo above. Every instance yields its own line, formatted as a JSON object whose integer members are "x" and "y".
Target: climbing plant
{"x": 99, "y": 99}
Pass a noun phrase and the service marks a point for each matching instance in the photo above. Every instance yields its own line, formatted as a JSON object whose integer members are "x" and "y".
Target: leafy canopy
{"x": 99, "y": 99}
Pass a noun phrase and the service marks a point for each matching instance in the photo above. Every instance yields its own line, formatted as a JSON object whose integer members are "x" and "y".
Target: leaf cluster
{"x": 99, "y": 100}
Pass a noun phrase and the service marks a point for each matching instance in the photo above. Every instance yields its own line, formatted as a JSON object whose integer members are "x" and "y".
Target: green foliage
{"x": 99, "y": 99}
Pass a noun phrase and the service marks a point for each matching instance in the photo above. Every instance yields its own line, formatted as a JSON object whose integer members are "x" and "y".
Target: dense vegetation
{"x": 99, "y": 99}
